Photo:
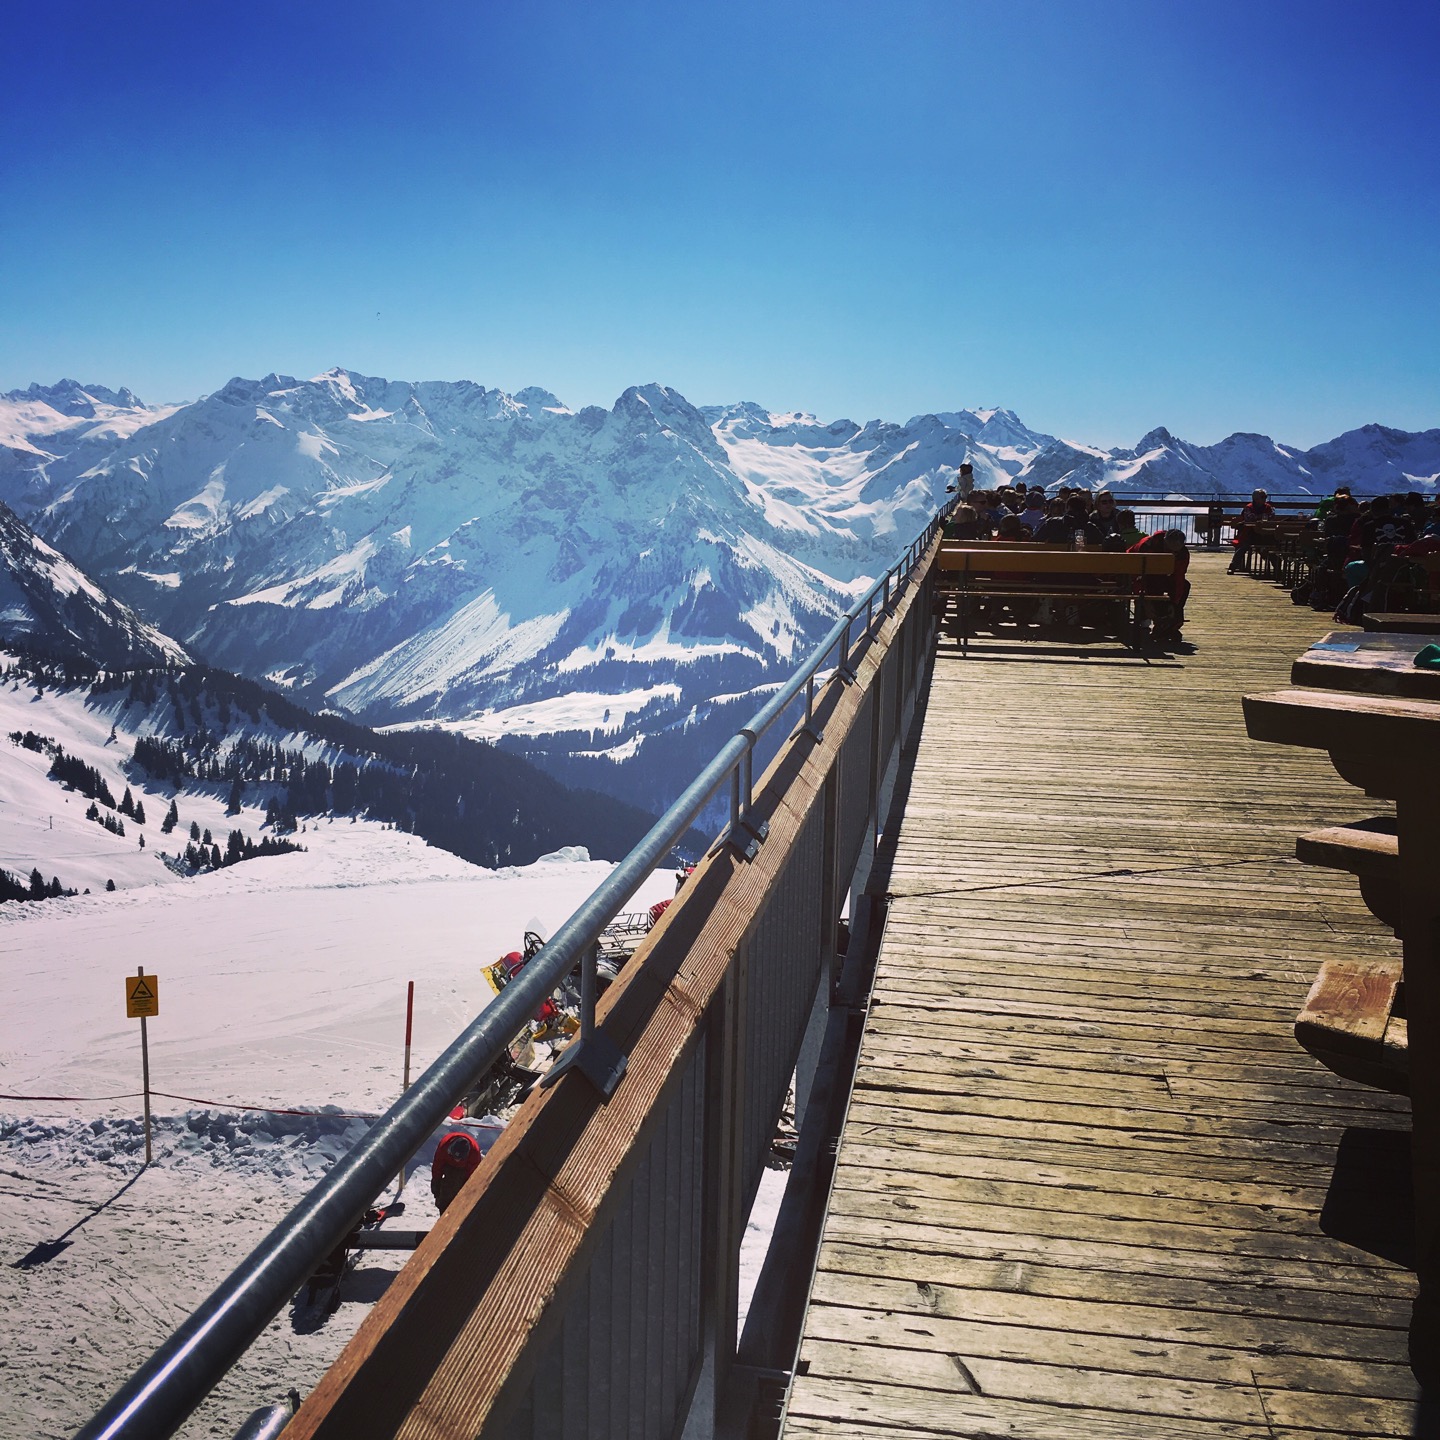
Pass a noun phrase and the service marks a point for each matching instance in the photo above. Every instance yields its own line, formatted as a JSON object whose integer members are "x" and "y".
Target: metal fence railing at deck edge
{"x": 168, "y": 1387}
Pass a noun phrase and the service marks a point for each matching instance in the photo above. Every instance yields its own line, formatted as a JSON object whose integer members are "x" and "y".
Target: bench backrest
{"x": 1001, "y": 558}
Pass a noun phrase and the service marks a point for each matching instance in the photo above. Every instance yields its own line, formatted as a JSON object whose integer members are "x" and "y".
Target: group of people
{"x": 1014, "y": 513}
{"x": 1075, "y": 517}
{"x": 1357, "y": 537}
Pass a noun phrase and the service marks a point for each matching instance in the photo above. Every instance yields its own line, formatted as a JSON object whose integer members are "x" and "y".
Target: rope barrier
{"x": 269, "y": 1109}
{"x": 86, "y": 1099}
{"x": 196, "y": 1100}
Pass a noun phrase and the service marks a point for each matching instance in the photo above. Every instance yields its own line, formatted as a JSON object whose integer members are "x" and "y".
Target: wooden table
{"x": 1378, "y": 664}
{"x": 1411, "y": 623}
{"x": 1390, "y": 747}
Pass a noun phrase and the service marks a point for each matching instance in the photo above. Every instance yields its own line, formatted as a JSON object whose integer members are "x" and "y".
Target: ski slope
{"x": 282, "y": 984}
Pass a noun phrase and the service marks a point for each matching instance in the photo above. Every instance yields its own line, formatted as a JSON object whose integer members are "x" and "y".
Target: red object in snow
{"x": 456, "y": 1158}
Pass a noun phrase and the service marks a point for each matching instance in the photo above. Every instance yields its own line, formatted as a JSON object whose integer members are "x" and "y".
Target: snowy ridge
{"x": 50, "y": 605}
{"x": 443, "y": 553}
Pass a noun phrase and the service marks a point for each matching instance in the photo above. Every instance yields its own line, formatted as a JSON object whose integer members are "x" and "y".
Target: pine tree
{"x": 142, "y": 842}
{"x": 37, "y": 885}
{"x": 109, "y": 884}
{"x": 207, "y": 838}
{"x": 55, "y": 892}
{"x": 237, "y": 791}
{"x": 127, "y": 805}
{"x": 139, "y": 812}
{"x": 172, "y": 819}
{"x": 194, "y": 830}
{"x": 93, "y": 813}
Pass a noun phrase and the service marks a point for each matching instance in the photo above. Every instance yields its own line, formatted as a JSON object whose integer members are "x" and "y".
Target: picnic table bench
{"x": 1353, "y": 1021}
{"x": 1389, "y": 747}
{"x": 972, "y": 573}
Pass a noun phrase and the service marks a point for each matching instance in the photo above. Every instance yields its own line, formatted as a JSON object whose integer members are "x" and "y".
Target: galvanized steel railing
{"x": 169, "y": 1386}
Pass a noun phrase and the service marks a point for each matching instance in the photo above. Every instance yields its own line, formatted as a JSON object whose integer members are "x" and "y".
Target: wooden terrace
{"x": 1089, "y": 1186}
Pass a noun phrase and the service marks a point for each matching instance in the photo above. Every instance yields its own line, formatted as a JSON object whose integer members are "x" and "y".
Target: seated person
{"x": 1257, "y": 512}
{"x": 963, "y": 524}
{"x": 1130, "y": 532}
{"x": 1337, "y": 525}
{"x": 1011, "y": 529}
{"x": 1174, "y": 587}
{"x": 1379, "y": 530}
{"x": 1033, "y": 513}
{"x": 1055, "y": 529}
{"x": 1104, "y": 520}
{"x": 983, "y": 504}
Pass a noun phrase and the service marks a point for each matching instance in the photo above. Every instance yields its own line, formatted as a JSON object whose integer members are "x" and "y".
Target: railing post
{"x": 597, "y": 1057}
{"x": 745, "y": 835}
{"x": 830, "y": 883}
{"x": 847, "y": 670}
{"x": 810, "y": 728}
{"x": 724, "y": 1139}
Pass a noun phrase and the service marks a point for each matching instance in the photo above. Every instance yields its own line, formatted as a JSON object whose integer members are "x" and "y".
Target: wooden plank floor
{"x": 1089, "y": 1186}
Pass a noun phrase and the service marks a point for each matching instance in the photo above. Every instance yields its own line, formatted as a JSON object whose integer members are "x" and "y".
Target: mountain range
{"x": 576, "y": 583}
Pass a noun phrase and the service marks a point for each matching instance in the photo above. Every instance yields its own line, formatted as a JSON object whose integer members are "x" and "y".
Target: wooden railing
{"x": 587, "y": 1276}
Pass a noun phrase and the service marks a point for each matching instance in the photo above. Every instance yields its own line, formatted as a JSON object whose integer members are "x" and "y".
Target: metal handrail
{"x": 163, "y": 1392}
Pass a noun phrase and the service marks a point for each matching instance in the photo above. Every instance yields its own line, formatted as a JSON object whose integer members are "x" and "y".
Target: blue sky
{"x": 1106, "y": 216}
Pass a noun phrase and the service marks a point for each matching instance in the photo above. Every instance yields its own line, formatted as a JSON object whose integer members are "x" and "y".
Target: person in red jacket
{"x": 1174, "y": 587}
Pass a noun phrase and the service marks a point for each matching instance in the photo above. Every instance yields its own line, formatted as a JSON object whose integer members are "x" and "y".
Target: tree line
{"x": 459, "y": 794}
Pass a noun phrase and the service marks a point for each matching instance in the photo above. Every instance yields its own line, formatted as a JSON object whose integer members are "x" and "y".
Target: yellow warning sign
{"x": 142, "y": 996}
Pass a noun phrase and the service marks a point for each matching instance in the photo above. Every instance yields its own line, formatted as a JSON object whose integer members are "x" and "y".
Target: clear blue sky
{"x": 1107, "y": 216}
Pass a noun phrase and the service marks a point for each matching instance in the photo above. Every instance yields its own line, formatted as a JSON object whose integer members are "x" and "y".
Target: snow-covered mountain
{"x": 442, "y": 552}
{"x": 50, "y": 606}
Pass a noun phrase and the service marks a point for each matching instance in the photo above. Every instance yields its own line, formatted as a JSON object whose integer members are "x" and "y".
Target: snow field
{"x": 282, "y": 984}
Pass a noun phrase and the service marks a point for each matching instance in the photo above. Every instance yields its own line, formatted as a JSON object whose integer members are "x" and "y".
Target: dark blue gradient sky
{"x": 1106, "y": 216}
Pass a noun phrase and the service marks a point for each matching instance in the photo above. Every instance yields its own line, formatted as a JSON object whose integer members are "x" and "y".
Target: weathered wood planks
{"x": 1080, "y": 1188}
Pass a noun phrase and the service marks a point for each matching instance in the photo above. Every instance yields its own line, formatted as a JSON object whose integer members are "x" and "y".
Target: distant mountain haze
{"x": 439, "y": 552}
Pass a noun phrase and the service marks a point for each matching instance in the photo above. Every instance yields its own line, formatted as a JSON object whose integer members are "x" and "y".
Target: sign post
{"x": 405, "y": 1083}
{"x": 142, "y": 999}
{"x": 409, "y": 1023}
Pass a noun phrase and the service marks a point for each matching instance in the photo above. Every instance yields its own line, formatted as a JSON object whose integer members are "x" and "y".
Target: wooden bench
{"x": 1353, "y": 1021}
{"x": 1015, "y": 570}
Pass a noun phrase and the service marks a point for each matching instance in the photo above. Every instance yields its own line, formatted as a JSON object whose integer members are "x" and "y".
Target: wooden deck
{"x": 1089, "y": 1186}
